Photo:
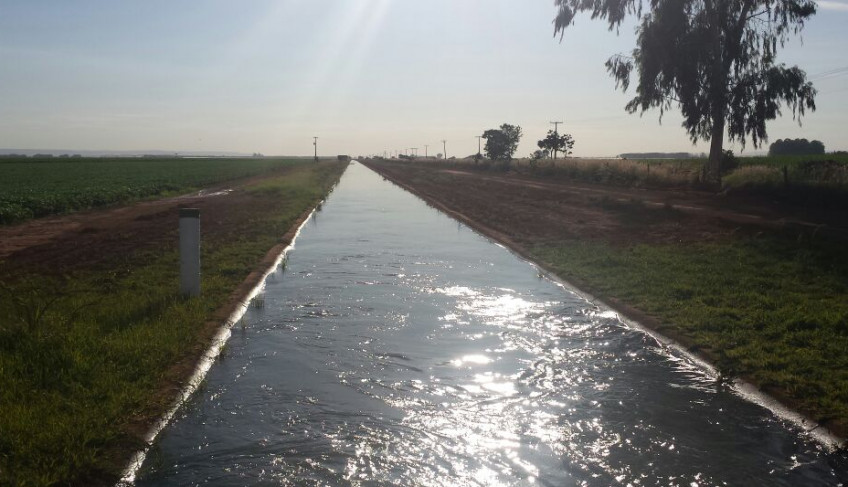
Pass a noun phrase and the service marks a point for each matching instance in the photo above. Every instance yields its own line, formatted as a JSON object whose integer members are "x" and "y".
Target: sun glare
{"x": 349, "y": 36}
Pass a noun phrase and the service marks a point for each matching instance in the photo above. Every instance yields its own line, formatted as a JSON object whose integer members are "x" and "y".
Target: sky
{"x": 365, "y": 76}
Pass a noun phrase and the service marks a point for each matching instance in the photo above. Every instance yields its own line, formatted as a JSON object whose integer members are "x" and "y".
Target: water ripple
{"x": 402, "y": 349}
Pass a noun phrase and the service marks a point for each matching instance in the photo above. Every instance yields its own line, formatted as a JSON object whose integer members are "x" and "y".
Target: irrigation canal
{"x": 398, "y": 347}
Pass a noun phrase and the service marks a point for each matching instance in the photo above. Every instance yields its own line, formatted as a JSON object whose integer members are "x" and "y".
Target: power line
{"x": 556, "y": 126}
{"x": 831, "y": 73}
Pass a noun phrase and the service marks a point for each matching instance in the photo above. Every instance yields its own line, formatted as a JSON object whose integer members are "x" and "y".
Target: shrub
{"x": 754, "y": 176}
{"x": 729, "y": 162}
{"x": 827, "y": 172}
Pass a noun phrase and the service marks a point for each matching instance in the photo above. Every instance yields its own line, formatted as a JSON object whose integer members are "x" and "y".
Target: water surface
{"x": 398, "y": 347}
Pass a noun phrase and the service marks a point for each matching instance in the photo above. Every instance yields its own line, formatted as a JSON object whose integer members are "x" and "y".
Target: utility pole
{"x": 479, "y": 138}
{"x": 414, "y": 151}
{"x": 315, "y": 143}
{"x": 556, "y": 132}
{"x": 425, "y": 150}
{"x": 445, "y": 149}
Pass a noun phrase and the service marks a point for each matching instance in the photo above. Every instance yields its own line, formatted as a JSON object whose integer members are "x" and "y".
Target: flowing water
{"x": 398, "y": 347}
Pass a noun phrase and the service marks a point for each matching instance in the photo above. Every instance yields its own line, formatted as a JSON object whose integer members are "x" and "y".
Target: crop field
{"x": 790, "y": 161}
{"x": 32, "y": 188}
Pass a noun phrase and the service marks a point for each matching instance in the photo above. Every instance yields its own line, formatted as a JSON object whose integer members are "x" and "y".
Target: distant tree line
{"x": 796, "y": 147}
{"x": 39, "y": 156}
{"x": 657, "y": 155}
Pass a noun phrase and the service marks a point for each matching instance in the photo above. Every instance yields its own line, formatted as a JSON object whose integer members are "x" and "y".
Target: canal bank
{"x": 112, "y": 342}
{"x": 398, "y": 347}
{"x": 763, "y": 305}
{"x": 222, "y": 321}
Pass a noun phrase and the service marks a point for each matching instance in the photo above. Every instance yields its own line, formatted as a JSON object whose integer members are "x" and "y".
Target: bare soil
{"x": 101, "y": 238}
{"x": 524, "y": 210}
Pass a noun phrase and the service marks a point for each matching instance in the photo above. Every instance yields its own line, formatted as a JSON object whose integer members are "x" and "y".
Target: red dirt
{"x": 101, "y": 238}
{"x": 529, "y": 210}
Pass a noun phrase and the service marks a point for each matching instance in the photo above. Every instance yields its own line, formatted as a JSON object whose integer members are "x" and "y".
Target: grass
{"x": 624, "y": 172}
{"x": 83, "y": 357}
{"x": 759, "y": 176}
{"x": 32, "y": 188}
{"x": 819, "y": 181}
{"x": 770, "y": 309}
{"x": 790, "y": 161}
{"x": 757, "y": 173}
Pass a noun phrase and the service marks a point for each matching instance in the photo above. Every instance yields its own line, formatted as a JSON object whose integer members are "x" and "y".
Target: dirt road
{"x": 526, "y": 209}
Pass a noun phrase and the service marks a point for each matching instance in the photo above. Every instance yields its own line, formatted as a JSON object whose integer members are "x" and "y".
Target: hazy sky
{"x": 363, "y": 75}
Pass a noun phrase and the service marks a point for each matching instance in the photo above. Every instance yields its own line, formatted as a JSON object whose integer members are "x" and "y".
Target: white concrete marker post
{"x": 190, "y": 252}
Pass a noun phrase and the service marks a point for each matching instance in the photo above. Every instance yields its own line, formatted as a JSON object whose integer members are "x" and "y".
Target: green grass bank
{"x": 771, "y": 309}
{"x": 88, "y": 360}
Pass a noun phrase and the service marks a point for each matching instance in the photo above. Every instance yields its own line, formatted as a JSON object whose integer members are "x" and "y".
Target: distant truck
{"x": 343, "y": 157}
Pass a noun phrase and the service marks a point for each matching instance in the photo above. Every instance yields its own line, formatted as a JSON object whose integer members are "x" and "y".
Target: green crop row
{"x": 36, "y": 188}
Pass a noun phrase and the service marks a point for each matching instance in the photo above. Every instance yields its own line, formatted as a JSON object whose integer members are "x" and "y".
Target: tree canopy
{"x": 502, "y": 143}
{"x": 796, "y": 147}
{"x": 555, "y": 142}
{"x": 714, "y": 59}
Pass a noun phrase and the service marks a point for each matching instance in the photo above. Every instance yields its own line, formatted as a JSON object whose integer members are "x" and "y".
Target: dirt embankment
{"x": 530, "y": 210}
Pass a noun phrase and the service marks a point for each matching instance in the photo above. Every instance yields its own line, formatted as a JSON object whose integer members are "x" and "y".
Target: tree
{"x": 555, "y": 142}
{"x": 502, "y": 143}
{"x": 796, "y": 147}
{"x": 714, "y": 59}
{"x": 537, "y": 156}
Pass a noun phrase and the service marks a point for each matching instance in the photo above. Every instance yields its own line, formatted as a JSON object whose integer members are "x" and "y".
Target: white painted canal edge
{"x": 807, "y": 426}
{"x": 810, "y": 428}
{"x": 207, "y": 360}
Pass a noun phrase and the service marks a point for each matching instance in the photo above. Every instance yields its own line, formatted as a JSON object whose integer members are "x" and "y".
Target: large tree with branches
{"x": 714, "y": 59}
